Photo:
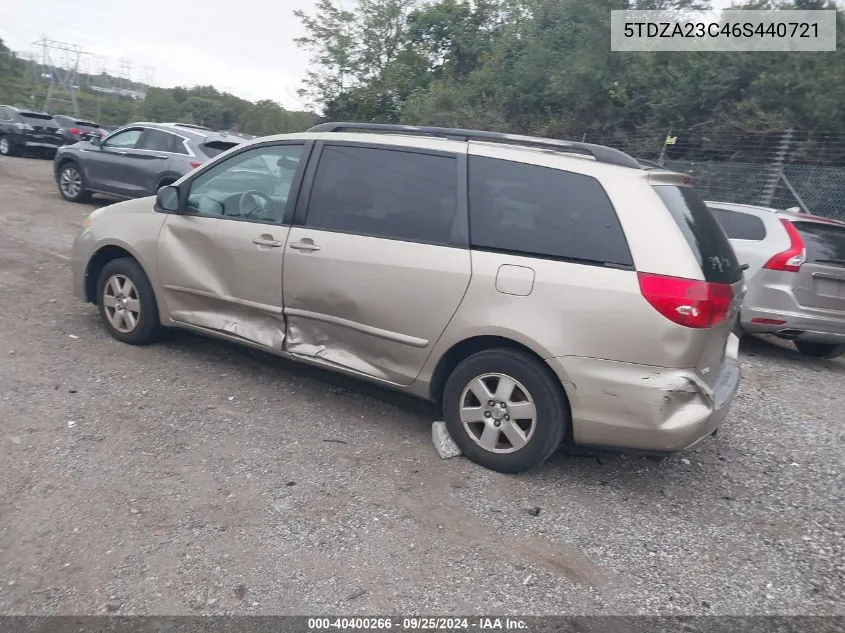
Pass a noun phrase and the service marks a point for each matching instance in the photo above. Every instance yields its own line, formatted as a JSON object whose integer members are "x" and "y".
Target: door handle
{"x": 266, "y": 240}
{"x": 305, "y": 246}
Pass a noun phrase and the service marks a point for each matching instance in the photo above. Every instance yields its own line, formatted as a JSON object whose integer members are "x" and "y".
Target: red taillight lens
{"x": 791, "y": 259}
{"x": 75, "y": 131}
{"x": 687, "y": 302}
{"x": 195, "y": 164}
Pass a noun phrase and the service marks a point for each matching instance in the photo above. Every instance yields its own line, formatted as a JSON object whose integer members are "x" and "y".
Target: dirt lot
{"x": 193, "y": 476}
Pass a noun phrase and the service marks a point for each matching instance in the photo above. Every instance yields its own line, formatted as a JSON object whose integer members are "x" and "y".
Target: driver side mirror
{"x": 167, "y": 199}
{"x": 96, "y": 140}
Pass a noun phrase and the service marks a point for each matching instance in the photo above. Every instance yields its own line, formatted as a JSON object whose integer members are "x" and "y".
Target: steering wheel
{"x": 252, "y": 203}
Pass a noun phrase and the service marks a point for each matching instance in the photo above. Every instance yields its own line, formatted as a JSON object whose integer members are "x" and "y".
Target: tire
{"x": 533, "y": 383}
{"x": 135, "y": 326}
{"x": 819, "y": 350}
{"x": 7, "y": 148}
{"x": 71, "y": 183}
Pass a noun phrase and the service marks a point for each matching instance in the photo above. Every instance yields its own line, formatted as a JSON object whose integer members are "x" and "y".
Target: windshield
{"x": 36, "y": 116}
{"x": 703, "y": 233}
{"x": 213, "y": 148}
{"x": 825, "y": 243}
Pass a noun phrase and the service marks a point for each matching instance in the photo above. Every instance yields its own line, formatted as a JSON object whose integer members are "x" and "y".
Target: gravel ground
{"x": 196, "y": 477}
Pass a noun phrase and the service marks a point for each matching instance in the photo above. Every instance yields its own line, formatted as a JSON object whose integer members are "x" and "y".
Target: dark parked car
{"x": 22, "y": 129}
{"x": 76, "y": 130}
{"x": 136, "y": 160}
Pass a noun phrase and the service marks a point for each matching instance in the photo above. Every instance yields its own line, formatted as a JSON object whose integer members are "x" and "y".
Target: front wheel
{"x": 127, "y": 303}
{"x": 505, "y": 410}
{"x": 819, "y": 350}
{"x": 72, "y": 183}
{"x": 6, "y": 147}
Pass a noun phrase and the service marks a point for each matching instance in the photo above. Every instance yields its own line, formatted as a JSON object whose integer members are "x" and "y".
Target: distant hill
{"x": 110, "y": 100}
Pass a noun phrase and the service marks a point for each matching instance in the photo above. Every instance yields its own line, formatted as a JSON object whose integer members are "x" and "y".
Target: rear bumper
{"x": 644, "y": 408}
{"x": 817, "y": 327}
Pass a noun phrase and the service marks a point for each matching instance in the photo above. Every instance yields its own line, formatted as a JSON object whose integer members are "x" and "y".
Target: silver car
{"x": 795, "y": 275}
{"x": 513, "y": 280}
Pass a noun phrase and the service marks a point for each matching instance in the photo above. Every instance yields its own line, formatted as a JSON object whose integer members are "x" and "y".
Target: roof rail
{"x": 599, "y": 152}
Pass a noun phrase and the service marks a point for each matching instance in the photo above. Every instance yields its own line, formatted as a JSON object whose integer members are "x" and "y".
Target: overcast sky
{"x": 244, "y": 46}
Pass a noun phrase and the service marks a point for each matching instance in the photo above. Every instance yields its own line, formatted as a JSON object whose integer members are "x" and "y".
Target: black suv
{"x": 22, "y": 129}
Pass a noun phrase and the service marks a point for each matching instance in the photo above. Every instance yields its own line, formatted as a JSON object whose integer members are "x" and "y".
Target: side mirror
{"x": 96, "y": 140}
{"x": 744, "y": 267}
{"x": 167, "y": 199}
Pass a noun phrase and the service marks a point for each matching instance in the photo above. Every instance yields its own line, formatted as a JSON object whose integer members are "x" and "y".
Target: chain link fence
{"x": 781, "y": 169}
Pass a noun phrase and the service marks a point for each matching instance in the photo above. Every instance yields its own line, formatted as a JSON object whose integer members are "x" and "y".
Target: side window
{"x": 386, "y": 193}
{"x": 535, "y": 210}
{"x": 124, "y": 140}
{"x": 740, "y": 226}
{"x": 160, "y": 141}
{"x": 234, "y": 189}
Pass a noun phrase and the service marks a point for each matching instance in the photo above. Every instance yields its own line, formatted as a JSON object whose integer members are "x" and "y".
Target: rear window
{"x": 703, "y": 234}
{"x": 825, "y": 243}
{"x": 740, "y": 226}
{"x": 36, "y": 116}
{"x": 213, "y": 148}
{"x": 539, "y": 211}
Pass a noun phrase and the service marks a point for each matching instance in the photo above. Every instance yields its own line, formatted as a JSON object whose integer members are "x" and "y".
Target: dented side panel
{"x": 376, "y": 306}
{"x": 642, "y": 407}
{"x": 214, "y": 276}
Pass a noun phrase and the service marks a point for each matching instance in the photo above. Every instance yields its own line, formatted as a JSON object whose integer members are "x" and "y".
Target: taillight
{"x": 791, "y": 259}
{"x": 195, "y": 164}
{"x": 75, "y": 131}
{"x": 688, "y": 302}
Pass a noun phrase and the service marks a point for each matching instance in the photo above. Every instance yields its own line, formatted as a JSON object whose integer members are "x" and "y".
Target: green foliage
{"x": 545, "y": 66}
{"x": 203, "y": 105}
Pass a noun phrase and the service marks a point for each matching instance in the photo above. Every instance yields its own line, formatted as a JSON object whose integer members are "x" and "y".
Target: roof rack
{"x": 193, "y": 126}
{"x": 599, "y": 152}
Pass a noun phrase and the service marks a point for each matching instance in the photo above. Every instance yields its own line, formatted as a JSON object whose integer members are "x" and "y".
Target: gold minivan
{"x": 540, "y": 291}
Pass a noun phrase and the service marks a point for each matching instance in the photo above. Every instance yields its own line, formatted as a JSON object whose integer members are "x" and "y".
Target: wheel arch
{"x": 104, "y": 255}
{"x": 462, "y": 350}
{"x": 166, "y": 179}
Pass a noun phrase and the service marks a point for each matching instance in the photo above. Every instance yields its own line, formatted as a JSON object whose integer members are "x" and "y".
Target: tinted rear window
{"x": 703, "y": 233}
{"x": 213, "y": 148}
{"x": 538, "y": 211}
{"x": 740, "y": 226}
{"x": 36, "y": 116}
{"x": 825, "y": 243}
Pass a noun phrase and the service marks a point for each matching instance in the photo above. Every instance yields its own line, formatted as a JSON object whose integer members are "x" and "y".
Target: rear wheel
{"x": 819, "y": 350}
{"x": 505, "y": 410}
{"x": 72, "y": 183}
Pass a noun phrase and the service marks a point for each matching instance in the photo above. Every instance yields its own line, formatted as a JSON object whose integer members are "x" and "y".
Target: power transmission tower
{"x": 61, "y": 63}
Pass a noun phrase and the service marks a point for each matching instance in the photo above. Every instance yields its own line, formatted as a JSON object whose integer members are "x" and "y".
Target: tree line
{"x": 545, "y": 67}
{"x": 22, "y": 84}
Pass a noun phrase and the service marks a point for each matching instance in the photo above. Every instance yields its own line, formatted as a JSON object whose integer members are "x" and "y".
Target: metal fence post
{"x": 776, "y": 170}
{"x": 793, "y": 192}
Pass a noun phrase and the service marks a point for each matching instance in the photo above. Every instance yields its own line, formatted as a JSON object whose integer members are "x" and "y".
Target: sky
{"x": 244, "y": 47}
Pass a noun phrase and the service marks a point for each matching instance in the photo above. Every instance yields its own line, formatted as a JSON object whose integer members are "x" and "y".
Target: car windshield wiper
{"x": 835, "y": 262}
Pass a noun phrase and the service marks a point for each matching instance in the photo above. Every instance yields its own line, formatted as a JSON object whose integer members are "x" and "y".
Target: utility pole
{"x": 61, "y": 61}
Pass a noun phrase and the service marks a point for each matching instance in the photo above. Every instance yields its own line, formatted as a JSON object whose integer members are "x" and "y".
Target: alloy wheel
{"x": 498, "y": 413}
{"x": 122, "y": 304}
{"x": 71, "y": 182}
